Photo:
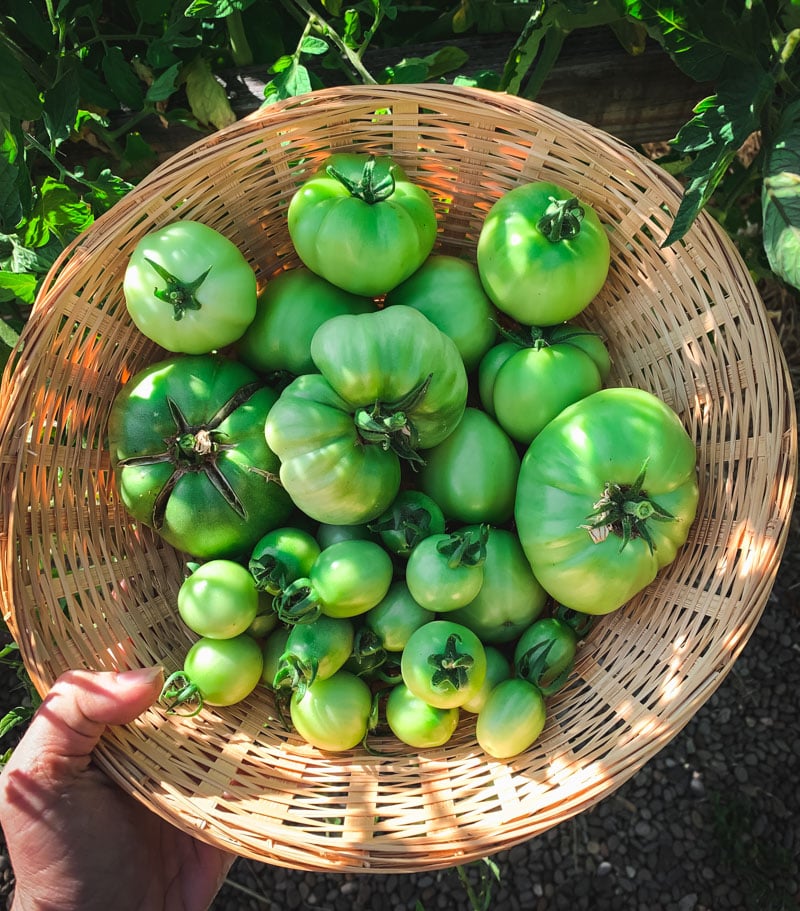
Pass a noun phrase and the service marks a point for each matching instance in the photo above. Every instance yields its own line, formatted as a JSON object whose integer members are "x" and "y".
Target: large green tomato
{"x": 189, "y": 289}
{"x": 292, "y": 306}
{"x": 542, "y": 254}
{"x": 445, "y": 572}
{"x": 390, "y": 384}
{"x": 606, "y": 496}
{"x": 415, "y": 722}
{"x": 362, "y": 224}
{"x": 186, "y": 438}
{"x": 332, "y": 714}
{"x": 472, "y": 474}
{"x": 511, "y": 719}
{"x": 218, "y": 600}
{"x": 449, "y": 292}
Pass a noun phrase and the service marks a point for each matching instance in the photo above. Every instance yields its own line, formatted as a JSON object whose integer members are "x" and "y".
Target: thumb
{"x": 70, "y": 721}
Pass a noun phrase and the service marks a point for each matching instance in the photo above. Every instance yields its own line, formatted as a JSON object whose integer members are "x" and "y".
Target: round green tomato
{"x": 412, "y": 517}
{"x": 606, "y": 496}
{"x": 328, "y": 534}
{"x": 314, "y": 651}
{"x": 445, "y": 571}
{"x": 281, "y": 556}
{"x": 510, "y": 598}
{"x": 186, "y": 439}
{"x": 265, "y": 619}
{"x": 545, "y": 653}
{"x": 443, "y": 664}
{"x": 542, "y": 254}
{"x": 332, "y": 714}
{"x": 396, "y": 617}
{"x": 416, "y": 723}
{"x": 498, "y": 668}
{"x": 449, "y": 292}
{"x": 362, "y": 224}
{"x": 271, "y": 650}
{"x": 537, "y": 383}
{"x": 511, "y": 720}
{"x": 218, "y": 600}
{"x": 292, "y": 306}
{"x": 488, "y": 368}
{"x": 589, "y": 342}
{"x": 224, "y": 671}
{"x": 472, "y": 474}
{"x": 189, "y": 289}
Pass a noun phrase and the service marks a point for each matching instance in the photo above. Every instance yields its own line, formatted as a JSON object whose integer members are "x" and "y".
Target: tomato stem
{"x": 298, "y": 603}
{"x": 388, "y": 424}
{"x": 562, "y": 219}
{"x": 451, "y": 666}
{"x": 180, "y": 295}
{"x": 367, "y": 188}
{"x": 178, "y": 689}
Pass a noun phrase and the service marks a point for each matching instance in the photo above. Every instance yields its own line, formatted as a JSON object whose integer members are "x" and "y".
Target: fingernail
{"x": 143, "y": 676}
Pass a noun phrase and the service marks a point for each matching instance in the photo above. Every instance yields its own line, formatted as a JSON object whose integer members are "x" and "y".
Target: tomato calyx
{"x": 180, "y": 295}
{"x": 367, "y": 188}
{"x": 388, "y": 425}
{"x": 581, "y": 624}
{"x": 625, "y": 510}
{"x": 451, "y": 667}
{"x": 535, "y": 666}
{"x": 179, "y": 690}
{"x": 368, "y": 650}
{"x": 268, "y": 572}
{"x": 295, "y": 673}
{"x": 298, "y": 602}
{"x": 465, "y": 548}
{"x": 195, "y": 447}
{"x": 412, "y": 522}
{"x": 562, "y": 219}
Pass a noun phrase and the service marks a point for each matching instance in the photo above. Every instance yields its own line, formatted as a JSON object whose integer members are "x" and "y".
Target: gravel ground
{"x": 711, "y": 823}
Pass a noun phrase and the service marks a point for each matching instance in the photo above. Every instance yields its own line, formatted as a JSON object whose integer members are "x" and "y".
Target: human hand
{"x": 76, "y": 841}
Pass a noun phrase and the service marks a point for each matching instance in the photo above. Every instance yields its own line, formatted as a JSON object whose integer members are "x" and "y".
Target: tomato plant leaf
{"x": 19, "y": 96}
{"x": 31, "y": 24}
{"x": 11, "y": 208}
{"x": 780, "y": 198}
{"x": 206, "y": 96}
{"x": 713, "y": 136}
{"x": 57, "y": 213}
{"x": 122, "y": 80}
{"x": 106, "y": 190}
{"x": 164, "y": 84}
{"x": 17, "y": 285}
{"x": 61, "y": 107}
{"x": 216, "y": 9}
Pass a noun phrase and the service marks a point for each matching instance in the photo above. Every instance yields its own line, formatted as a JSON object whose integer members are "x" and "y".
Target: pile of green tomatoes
{"x": 404, "y": 485}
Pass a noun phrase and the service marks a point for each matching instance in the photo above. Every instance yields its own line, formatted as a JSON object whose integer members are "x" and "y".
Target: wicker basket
{"x": 83, "y": 587}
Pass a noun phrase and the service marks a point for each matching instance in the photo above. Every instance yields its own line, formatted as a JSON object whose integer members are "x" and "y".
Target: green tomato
{"x": 542, "y": 254}
{"x": 396, "y": 617}
{"x": 314, "y": 651}
{"x": 510, "y": 598}
{"x": 445, "y": 571}
{"x": 328, "y": 534}
{"x": 511, "y": 720}
{"x": 449, "y": 292}
{"x": 472, "y": 474}
{"x": 265, "y": 619}
{"x": 545, "y": 653}
{"x": 498, "y": 668}
{"x": 189, "y": 289}
{"x": 488, "y": 369}
{"x": 417, "y": 723}
{"x": 412, "y": 517}
{"x": 443, "y": 664}
{"x": 215, "y": 672}
{"x": 272, "y": 649}
{"x": 362, "y": 224}
{"x": 218, "y": 600}
{"x": 190, "y": 460}
{"x": 346, "y": 579}
{"x": 606, "y": 496}
{"x": 281, "y": 556}
{"x": 333, "y": 714}
{"x": 292, "y": 306}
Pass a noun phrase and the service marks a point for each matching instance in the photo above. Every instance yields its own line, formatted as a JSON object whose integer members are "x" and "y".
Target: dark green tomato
{"x": 498, "y": 668}
{"x": 281, "y": 556}
{"x": 396, "y": 617}
{"x": 314, "y": 651}
{"x": 606, "y": 496}
{"x": 449, "y": 292}
{"x": 292, "y": 306}
{"x": 445, "y": 571}
{"x": 328, "y": 471}
{"x": 416, "y": 723}
{"x": 472, "y": 474}
{"x": 189, "y": 288}
{"x": 347, "y": 579}
{"x": 362, "y": 224}
{"x": 589, "y": 342}
{"x": 537, "y": 383}
{"x": 443, "y": 664}
{"x": 265, "y": 619}
{"x": 545, "y": 653}
{"x": 488, "y": 368}
{"x": 333, "y": 714}
{"x": 218, "y": 600}
{"x": 328, "y": 534}
{"x": 412, "y": 517}
{"x": 215, "y": 672}
{"x": 542, "y": 254}
{"x": 190, "y": 460}
{"x": 271, "y": 650}
{"x": 403, "y": 377}
{"x": 510, "y": 598}
{"x": 511, "y": 720}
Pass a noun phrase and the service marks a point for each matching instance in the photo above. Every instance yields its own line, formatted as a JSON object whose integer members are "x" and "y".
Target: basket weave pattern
{"x": 82, "y": 586}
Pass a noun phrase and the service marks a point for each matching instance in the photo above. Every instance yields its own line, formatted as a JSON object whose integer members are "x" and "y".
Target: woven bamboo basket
{"x": 82, "y": 586}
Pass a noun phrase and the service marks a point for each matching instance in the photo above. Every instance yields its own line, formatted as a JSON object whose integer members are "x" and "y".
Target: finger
{"x": 71, "y": 719}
